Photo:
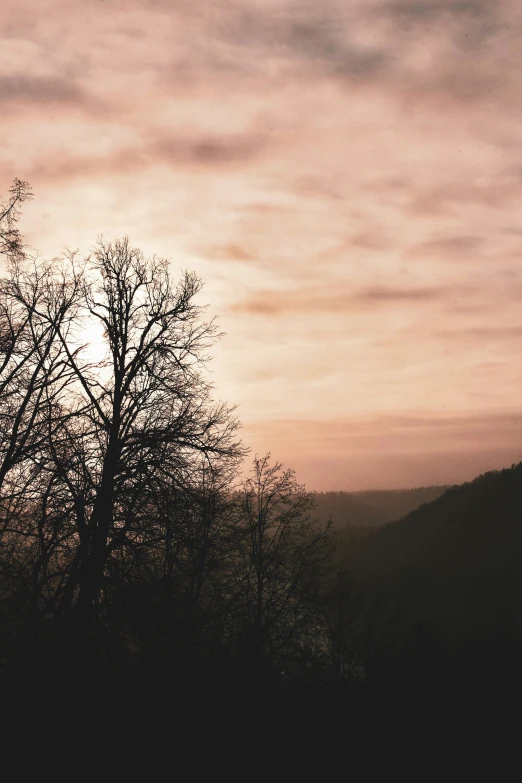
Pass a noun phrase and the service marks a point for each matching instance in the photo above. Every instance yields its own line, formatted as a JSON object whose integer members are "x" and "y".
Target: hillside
{"x": 372, "y": 508}
{"x": 455, "y": 562}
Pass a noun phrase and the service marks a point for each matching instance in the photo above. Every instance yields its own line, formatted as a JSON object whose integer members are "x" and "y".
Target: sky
{"x": 345, "y": 176}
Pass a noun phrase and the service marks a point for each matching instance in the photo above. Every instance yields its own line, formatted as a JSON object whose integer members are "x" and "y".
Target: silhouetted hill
{"x": 372, "y": 508}
{"x": 454, "y": 562}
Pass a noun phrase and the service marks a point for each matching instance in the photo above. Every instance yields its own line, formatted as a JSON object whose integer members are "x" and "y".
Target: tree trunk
{"x": 98, "y": 531}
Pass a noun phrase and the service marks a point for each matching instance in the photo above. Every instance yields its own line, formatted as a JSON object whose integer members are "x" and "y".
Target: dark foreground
{"x": 190, "y": 717}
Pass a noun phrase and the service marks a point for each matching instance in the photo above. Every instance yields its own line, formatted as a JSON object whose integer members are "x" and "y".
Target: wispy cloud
{"x": 405, "y": 450}
{"x": 309, "y": 300}
{"x": 453, "y": 247}
{"x": 346, "y": 177}
{"x": 39, "y": 90}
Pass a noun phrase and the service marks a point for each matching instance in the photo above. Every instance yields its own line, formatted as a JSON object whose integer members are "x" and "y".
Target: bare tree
{"x": 37, "y": 302}
{"x": 10, "y": 239}
{"x": 148, "y": 413}
{"x": 36, "y": 305}
{"x": 284, "y": 557}
{"x": 181, "y": 573}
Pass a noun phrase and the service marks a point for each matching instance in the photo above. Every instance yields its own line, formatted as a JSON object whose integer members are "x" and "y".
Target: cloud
{"x": 452, "y": 247}
{"x": 321, "y": 40}
{"x": 483, "y": 335}
{"x": 262, "y": 209}
{"x": 35, "y": 94}
{"x": 403, "y": 450}
{"x": 210, "y": 152}
{"x": 37, "y": 89}
{"x": 34, "y": 77}
{"x": 449, "y": 197}
{"x": 422, "y": 11}
{"x": 351, "y": 168}
{"x": 321, "y": 187}
{"x": 370, "y": 426}
{"x": 310, "y": 300}
{"x": 230, "y": 252}
{"x": 469, "y": 24}
{"x": 302, "y": 31}
{"x": 377, "y": 45}
{"x": 405, "y": 432}
{"x": 395, "y": 295}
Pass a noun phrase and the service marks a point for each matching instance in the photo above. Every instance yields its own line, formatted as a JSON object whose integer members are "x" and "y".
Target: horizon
{"x": 346, "y": 179}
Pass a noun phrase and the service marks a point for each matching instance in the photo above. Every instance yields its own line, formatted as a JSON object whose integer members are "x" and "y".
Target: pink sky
{"x": 345, "y": 176}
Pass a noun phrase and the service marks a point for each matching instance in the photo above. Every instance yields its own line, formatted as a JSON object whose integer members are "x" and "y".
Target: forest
{"x": 146, "y": 580}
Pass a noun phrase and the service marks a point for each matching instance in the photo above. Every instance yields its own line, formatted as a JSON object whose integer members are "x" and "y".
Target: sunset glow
{"x": 346, "y": 177}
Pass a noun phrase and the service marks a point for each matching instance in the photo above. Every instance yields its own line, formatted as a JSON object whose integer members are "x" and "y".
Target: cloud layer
{"x": 345, "y": 176}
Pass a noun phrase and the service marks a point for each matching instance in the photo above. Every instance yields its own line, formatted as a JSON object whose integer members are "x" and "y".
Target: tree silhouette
{"x": 284, "y": 558}
{"x": 94, "y": 449}
{"x": 10, "y": 239}
{"x": 147, "y": 406}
